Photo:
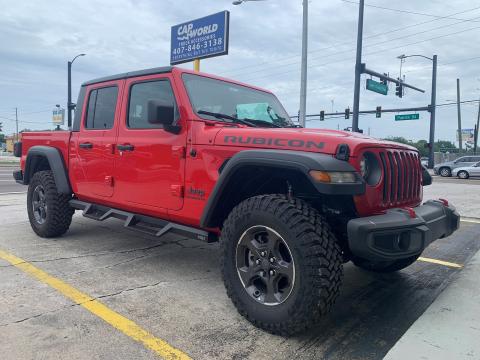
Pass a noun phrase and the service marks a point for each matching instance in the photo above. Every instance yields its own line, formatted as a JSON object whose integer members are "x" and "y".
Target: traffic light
{"x": 399, "y": 90}
{"x": 322, "y": 115}
{"x": 378, "y": 112}
{"x": 347, "y": 113}
{"x": 383, "y": 80}
{"x": 0, "y": 127}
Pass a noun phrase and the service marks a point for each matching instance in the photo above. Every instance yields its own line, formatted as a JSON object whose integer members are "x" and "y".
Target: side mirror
{"x": 160, "y": 112}
{"x": 426, "y": 177}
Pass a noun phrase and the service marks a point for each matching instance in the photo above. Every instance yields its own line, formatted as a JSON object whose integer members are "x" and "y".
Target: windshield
{"x": 236, "y": 101}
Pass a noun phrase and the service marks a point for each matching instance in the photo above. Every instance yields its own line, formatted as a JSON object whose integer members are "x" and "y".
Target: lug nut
{"x": 271, "y": 272}
{"x": 272, "y": 260}
{"x": 258, "y": 262}
{"x": 263, "y": 253}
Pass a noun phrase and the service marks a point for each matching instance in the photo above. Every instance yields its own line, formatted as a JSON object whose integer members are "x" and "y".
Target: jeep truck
{"x": 167, "y": 150}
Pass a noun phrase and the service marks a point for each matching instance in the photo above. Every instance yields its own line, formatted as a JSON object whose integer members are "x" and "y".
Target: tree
{"x": 422, "y": 145}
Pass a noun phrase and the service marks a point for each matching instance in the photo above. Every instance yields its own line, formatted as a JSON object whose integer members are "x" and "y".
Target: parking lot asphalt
{"x": 172, "y": 289}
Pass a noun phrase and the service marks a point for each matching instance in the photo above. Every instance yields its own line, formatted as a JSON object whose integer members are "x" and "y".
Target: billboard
{"x": 58, "y": 116}
{"x": 468, "y": 135}
{"x": 200, "y": 38}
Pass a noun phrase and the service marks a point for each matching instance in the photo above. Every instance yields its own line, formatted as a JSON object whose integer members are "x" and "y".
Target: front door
{"x": 96, "y": 140}
{"x": 149, "y": 171}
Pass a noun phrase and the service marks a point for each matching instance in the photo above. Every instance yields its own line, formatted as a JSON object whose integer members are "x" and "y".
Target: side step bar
{"x": 142, "y": 223}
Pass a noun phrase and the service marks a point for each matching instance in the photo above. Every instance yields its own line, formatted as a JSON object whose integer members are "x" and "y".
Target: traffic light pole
{"x": 433, "y": 105}
{"x": 477, "y": 130}
{"x": 358, "y": 67}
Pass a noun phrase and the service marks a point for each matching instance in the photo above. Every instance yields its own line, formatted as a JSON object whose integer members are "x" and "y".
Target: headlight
{"x": 336, "y": 177}
{"x": 364, "y": 167}
{"x": 370, "y": 168}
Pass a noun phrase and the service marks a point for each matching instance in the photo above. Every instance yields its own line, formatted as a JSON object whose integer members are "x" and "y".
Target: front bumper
{"x": 400, "y": 233}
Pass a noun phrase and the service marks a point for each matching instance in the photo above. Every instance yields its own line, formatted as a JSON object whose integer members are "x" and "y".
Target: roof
{"x": 157, "y": 70}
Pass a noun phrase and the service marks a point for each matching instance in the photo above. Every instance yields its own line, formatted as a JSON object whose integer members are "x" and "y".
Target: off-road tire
{"x": 384, "y": 266}
{"x": 315, "y": 251}
{"x": 462, "y": 174}
{"x": 58, "y": 214}
{"x": 445, "y": 172}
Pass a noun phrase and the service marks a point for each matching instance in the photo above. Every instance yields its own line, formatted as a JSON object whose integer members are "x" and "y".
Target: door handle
{"x": 86, "y": 145}
{"x": 125, "y": 147}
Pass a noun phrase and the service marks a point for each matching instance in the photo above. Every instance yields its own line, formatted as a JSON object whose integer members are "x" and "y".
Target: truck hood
{"x": 312, "y": 140}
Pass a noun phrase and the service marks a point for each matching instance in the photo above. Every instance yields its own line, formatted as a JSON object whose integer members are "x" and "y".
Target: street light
{"x": 303, "y": 76}
{"x": 433, "y": 102}
{"x": 70, "y": 105}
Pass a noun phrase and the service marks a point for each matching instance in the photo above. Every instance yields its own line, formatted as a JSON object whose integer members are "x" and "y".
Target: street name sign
{"x": 377, "y": 87}
{"x": 407, "y": 117}
{"x": 200, "y": 38}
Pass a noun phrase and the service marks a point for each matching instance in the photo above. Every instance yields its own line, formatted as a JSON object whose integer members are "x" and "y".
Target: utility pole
{"x": 303, "y": 76}
{"x": 459, "y": 114}
{"x": 433, "y": 105}
{"x": 16, "y": 123}
{"x": 477, "y": 130}
{"x": 358, "y": 67}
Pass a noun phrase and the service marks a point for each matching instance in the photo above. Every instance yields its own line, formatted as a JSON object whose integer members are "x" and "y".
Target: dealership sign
{"x": 58, "y": 116}
{"x": 467, "y": 135}
{"x": 200, "y": 38}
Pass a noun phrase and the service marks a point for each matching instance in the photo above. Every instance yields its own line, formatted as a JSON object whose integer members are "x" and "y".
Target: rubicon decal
{"x": 298, "y": 143}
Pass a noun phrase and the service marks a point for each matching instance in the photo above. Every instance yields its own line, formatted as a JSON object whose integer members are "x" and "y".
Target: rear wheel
{"x": 281, "y": 264}
{"x": 384, "y": 266}
{"x": 445, "y": 172}
{"x": 463, "y": 174}
{"x": 49, "y": 212}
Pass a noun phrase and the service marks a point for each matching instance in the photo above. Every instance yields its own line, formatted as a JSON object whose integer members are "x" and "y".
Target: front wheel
{"x": 281, "y": 263}
{"x": 49, "y": 212}
{"x": 445, "y": 172}
{"x": 463, "y": 174}
{"x": 384, "y": 266}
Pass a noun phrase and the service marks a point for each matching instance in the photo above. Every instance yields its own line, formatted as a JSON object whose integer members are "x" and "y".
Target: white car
{"x": 465, "y": 172}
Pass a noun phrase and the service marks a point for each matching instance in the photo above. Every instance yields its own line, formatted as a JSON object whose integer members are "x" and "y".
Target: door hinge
{"x": 176, "y": 190}
{"x": 179, "y": 151}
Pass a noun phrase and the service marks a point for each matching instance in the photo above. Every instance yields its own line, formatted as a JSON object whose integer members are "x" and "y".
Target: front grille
{"x": 402, "y": 176}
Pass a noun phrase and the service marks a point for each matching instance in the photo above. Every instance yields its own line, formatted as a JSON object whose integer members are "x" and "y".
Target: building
{"x": 10, "y": 141}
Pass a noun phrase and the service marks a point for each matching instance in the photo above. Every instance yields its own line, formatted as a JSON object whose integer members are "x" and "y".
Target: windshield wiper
{"x": 225, "y": 116}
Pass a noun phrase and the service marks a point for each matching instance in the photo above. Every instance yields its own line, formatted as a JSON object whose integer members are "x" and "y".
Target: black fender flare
{"x": 281, "y": 159}
{"x": 57, "y": 165}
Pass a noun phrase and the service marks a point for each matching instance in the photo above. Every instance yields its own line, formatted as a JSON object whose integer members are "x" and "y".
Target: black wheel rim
{"x": 265, "y": 265}
{"x": 39, "y": 204}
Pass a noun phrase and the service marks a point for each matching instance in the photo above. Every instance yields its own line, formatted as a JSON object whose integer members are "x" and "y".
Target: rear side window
{"x": 140, "y": 95}
{"x": 101, "y": 108}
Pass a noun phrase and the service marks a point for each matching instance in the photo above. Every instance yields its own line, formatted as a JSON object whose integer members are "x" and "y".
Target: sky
{"x": 39, "y": 37}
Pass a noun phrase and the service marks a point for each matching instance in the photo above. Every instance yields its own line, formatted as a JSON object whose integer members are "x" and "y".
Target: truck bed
{"x": 58, "y": 139}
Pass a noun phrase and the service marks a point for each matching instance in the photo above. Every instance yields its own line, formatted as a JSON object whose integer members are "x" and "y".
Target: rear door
{"x": 96, "y": 140}
{"x": 150, "y": 168}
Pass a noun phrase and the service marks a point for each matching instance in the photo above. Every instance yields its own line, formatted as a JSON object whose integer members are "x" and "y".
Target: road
{"x": 172, "y": 289}
{"x": 7, "y": 184}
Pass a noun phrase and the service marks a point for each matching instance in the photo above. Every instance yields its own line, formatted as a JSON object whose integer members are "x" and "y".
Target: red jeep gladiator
{"x": 168, "y": 150}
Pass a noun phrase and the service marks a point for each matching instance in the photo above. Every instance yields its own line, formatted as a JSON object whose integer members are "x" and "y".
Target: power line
{"x": 370, "y": 53}
{"x": 407, "y": 11}
{"x": 366, "y": 37}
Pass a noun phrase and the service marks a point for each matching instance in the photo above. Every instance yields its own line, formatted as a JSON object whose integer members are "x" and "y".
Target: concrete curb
{"x": 449, "y": 328}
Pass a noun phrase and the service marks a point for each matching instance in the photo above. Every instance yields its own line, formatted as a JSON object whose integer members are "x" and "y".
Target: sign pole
{"x": 196, "y": 65}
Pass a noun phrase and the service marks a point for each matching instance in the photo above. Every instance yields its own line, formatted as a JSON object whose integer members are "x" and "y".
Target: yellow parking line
{"x": 440, "y": 262}
{"x": 128, "y": 327}
{"x": 469, "y": 220}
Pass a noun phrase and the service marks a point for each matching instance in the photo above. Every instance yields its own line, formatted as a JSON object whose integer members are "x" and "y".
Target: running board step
{"x": 145, "y": 224}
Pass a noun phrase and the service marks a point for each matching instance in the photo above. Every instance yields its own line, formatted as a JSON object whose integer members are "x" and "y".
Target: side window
{"x": 140, "y": 95}
{"x": 101, "y": 108}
